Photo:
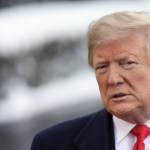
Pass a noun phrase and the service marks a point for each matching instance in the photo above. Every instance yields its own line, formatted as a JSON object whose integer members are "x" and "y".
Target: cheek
{"x": 102, "y": 83}
{"x": 136, "y": 79}
{"x": 141, "y": 80}
{"x": 139, "y": 84}
{"x": 143, "y": 88}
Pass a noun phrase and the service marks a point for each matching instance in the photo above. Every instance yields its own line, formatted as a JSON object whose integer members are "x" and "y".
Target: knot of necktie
{"x": 140, "y": 131}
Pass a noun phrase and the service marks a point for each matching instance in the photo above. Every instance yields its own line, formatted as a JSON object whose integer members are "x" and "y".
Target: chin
{"x": 122, "y": 112}
{"x": 129, "y": 114}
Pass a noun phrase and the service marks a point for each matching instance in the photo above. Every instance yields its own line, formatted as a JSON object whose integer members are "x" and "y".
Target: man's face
{"x": 122, "y": 70}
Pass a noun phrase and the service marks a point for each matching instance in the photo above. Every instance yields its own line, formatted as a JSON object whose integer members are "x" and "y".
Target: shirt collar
{"x": 121, "y": 128}
{"x": 147, "y": 123}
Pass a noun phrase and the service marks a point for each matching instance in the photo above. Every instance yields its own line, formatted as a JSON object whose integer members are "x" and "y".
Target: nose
{"x": 114, "y": 76}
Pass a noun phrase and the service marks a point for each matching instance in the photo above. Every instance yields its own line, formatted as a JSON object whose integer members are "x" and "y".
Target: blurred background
{"x": 44, "y": 74}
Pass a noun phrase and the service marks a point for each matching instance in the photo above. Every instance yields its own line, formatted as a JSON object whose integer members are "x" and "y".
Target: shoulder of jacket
{"x": 73, "y": 125}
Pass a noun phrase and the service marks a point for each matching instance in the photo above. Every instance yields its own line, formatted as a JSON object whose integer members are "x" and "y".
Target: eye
{"x": 128, "y": 64}
{"x": 101, "y": 69}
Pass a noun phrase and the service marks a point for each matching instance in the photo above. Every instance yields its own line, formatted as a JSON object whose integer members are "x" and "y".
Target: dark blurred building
{"x": 7, "y": 3}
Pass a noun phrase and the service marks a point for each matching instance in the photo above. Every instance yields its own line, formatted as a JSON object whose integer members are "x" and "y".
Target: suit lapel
{"x": 98, "y": 134}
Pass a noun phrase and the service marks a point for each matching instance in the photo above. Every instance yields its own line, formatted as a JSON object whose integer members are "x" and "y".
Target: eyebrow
{"x": 123, "y": 58}
{"x": 101, "y": 63}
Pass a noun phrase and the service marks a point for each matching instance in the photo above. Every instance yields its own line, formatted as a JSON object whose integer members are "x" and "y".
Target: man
{"x": 119, "y": 52}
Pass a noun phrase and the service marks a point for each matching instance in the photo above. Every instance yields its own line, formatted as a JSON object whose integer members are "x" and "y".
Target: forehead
{"x": 134, "y": 45}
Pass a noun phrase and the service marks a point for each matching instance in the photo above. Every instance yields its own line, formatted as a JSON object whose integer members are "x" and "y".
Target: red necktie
{"x": 140, "y": 131}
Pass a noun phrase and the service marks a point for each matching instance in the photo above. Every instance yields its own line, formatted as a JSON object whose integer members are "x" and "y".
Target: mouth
{"x": 118, "y": 95}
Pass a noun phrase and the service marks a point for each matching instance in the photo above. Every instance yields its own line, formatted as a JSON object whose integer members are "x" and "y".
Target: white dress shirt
{"x": 124, "y": 140}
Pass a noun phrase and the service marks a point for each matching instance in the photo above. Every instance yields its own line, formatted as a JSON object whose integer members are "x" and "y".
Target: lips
{"x": 119, "y": 95}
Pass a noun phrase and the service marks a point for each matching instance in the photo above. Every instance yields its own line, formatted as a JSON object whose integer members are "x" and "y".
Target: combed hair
{"x": 116, "y": 26}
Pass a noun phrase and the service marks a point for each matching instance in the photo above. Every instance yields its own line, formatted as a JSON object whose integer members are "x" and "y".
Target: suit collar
{"x": 97, "y": 134}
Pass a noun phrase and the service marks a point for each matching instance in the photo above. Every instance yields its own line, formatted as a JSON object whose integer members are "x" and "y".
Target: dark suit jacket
{"x": 92, "y": 132}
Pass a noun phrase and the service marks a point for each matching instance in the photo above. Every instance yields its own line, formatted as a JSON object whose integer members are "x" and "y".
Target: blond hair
{"x": 116, "y": 26}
